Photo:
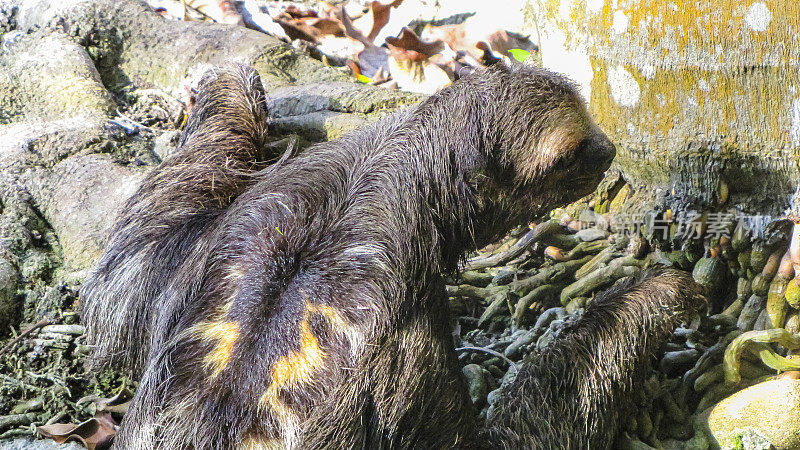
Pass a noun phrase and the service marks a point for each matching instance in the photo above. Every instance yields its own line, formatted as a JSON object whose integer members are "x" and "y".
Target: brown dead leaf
{"x": 118, "y": 404}
{"x": 295, "y": 30}
{"x": 378, "y": 16}
{"x": 453, "y": 35}
{"x": 327, "y": 10}
{"x": 408, "y": 46}
{"x": 297, "y": 13}
{"x": 381, "y": 76}
{"x": 95, "y": 433}
{"x": 223, "y": 11}
{"x": 327, "y": 26}
{"x": 465, "y": 38}
{"x": 310, "y": 29}
{"x": 321, "y": 26}
{"x": 411, "y": 66}
{"x": 372, "y": 57}
{"x": 488, "y": 58}
{"x": 455, "y": 66}
{"x": 350, "y": 29}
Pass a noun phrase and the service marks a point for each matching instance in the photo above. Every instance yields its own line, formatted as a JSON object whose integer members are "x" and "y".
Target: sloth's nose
{"x": 606, "y": 151}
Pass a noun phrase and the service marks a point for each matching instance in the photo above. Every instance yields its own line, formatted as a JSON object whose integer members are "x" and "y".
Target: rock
{"x": 81, "y": 198}
{"x": 678, "y": 362}
{"x": 136, "y": 45}
{"x": 71, "y": 330}
{"x": 575, "y": 304}
{"x": 591, "y": 234}
{"x": 475, "y": 278}
{"x": 9, "y": 280}
{"x": 321, "y": 125}
{"x": 494, "y": 396}
{"x": 27, "y": 406}
{"x": 750, "y": 312}
{"x": 547, "y": 317}
{"x": 46, "y": 78}
{"x": 38, "y": 444}
{"x": 770, "y": 409}
{"x": 166, "y": 143}
{"x": 496, "y": 308}
{"x": 753, "y": 440}
{"x": 338, "y": 97}
{"x": 549, "y": 334}
{"x": 52, "y": 102}
{"x": 476, "y": 383}
{"x": 504, "y": 276}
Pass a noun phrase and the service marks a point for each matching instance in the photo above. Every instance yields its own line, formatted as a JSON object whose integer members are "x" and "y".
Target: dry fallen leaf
{"x": 223, "y": 11}
{"x": 373, "y": 22}
{"x": 255, "y": 19}
{"x": 464, "y": 37}
{"x": 372, "y": 57}
{"x": 95, "y": 433}
{"x": 297, "y": 13}
{"x": 118, "y": 404}
{"x": 411, "y": 66}
{"x": 409, "y": 46}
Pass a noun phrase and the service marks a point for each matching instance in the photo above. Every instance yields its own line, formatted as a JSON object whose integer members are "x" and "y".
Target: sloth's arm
{"x": 161, "y": 224}
{"x": 574, "y": 391}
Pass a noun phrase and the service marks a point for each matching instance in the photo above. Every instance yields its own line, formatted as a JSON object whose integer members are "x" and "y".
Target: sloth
{"x": 297, "y": 301}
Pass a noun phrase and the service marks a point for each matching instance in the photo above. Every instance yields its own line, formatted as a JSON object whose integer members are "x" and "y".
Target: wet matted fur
{"x": 571, "y": 394}
{"x": 303, "y": 305}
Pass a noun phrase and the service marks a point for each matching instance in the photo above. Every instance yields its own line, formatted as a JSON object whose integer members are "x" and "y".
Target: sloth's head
{"x": 544, "y": 150}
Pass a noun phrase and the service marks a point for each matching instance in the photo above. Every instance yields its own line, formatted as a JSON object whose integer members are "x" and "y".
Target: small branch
{"x": 491, "y": 352}
{"x": 42, "y": 323}
{"x": 537, "y": 233}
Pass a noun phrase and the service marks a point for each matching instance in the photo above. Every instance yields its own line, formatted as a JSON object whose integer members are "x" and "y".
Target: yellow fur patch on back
{"x": 299, "y": 366}
{"x": 226, "y": 334}
{"x": 223, "y": 333}
{"x": 290, "y": 370}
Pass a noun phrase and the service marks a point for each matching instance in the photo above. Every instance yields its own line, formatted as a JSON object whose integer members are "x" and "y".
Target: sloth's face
{"x": 545, "y": 151}
{"x": 548, "y": 147}
{"x": 574, "y": 174}
{"x": 524, "y": 192}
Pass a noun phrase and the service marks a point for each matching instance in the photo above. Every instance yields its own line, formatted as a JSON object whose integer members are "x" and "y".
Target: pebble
{"x": 37, "y": 444}
{"x": 72, "y": 330}
{"x": 591, "y": 234}
{"x": 476, "y": 383}
{"x": 547, "y": 317}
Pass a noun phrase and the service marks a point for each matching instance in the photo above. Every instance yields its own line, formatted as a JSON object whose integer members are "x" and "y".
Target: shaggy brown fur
{"x": 166, "y": 226}
{"x": 572, "y": 393}
{"x": 303, "y": 306}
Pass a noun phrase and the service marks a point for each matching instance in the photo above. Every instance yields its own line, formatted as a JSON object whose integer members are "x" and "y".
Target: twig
{"x": 537, "y": 233}
{"x": 491, "y": 352}
{"x": 15, "y": 382}
{"x": 42, "y": 323}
